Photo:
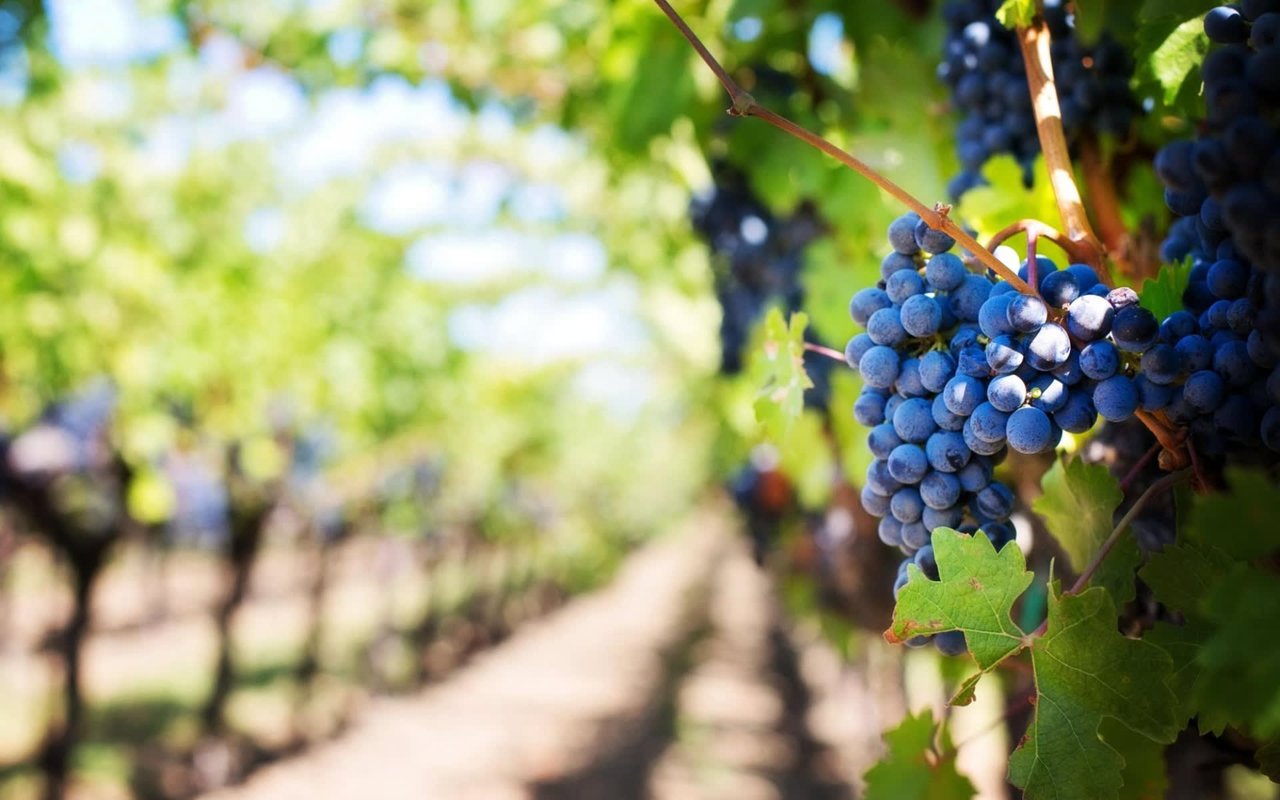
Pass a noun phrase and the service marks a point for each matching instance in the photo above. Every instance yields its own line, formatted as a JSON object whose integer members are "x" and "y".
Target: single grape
{"x": 879, "y": 366}
{"x": 989, "y": 423}
{"x": 947, "y": 452}
{"x": 945, "y": 272}
{"x": 1004, "y": 354}
{"x": 940, "y": 490}
{"x": 921, "y": 316}
{"x": 913, "y": 420}
{"x": 1099, "y": 360}
{"x": 882, "y": 439}
{"x": 1077, "y": 414}
{"x": 1116, "y": 398}
{"x": 1029, "y": 431}
{"x": 963, "y": 394}
{"x": 1049, "y": 347}
{"x": 1006, "y": 392}
{"x": 867, "y": 302}
{"x": 908, "y": 463}
{"x": 936, "y": 368}
{"x": 902, "y": 234}
{"x": 1026, "y": 313}
{"x": 1089, "y": 318}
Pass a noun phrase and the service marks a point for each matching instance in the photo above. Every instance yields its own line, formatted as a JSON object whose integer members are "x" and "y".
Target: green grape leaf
{"x": 1013, "y": 13}
{"x": 913, "y": 770}
{"x": 780, "y": 367}
{"x": 1144, "y": 773}
{"x": 1181, "y": 575}
{"x": 976, "y": 593}
{"x": 1118, "y": 571}
{"x": 1162, "y": 295}
{"x": 1268, "y": 756}
{"x": 806, "y": 459}
{"x": 1169, "y": 49}
{"x": 1238, "y": 682}
{"x": 1085, "y": 672}
{"x": 1078, "y": 507}
{"x": 1240, "y": 522}
{"x": 989, "y": 208}
{"x": 1182, "y": 643}
{"x": 829, "y": 271}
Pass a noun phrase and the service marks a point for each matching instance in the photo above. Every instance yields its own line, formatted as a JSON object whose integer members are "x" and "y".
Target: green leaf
{"x": 1238, "y": 661}
{"x": 989, "y": 208}
{"x": 912, "y": 770}
{"x": 1144, "y": 773}
{"x": 1085, "y": 672}
{"x": 976, "y": 593}
{"x": 1014, "y": 13}
{"x": 780, "y": 367}
{"x": 1078, "y": 507}
{"x": 1241, "y": 521}
{"x": 1182, "y": 575}
{"x": 807, "y": 460}
{"x": 1268, "y": 756}
{"x": 1162, "y": 295}
{"x": 1170, "y": 48}
{"x": 1183, "y": 643}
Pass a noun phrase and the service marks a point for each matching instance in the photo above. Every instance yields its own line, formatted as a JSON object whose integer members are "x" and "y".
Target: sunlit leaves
{"x": 1086, "y": 671}
{"x": 780, "y": 369}
{"x": 976, "y": 593}
{"x": 913, "y": 769}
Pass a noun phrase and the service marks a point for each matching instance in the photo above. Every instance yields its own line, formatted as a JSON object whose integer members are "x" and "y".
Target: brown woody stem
{"x": 744, "y": 105}
{"x": 1034, "y": 41}
{"x": 1106, "y": 208}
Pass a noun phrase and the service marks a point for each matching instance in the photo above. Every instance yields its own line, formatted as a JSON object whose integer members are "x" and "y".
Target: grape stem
{"x": 822, "y": 350}
{"x": 1034, "y": 41}
{"x": 744, "y": 105}
{"x": 1040, "y": 229}
{"x": 1141, "y": 464}
{"x": 1106, "y": 208}
{"x": 1171, "y": 440}
{"x": 1154, "y": 489}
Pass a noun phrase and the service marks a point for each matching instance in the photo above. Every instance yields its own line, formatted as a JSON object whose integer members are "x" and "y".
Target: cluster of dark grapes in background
{"x": 757, "y": 260}
{"x": 1218, "y": 356}
{"x": 983, "y": 68}
{"x": 959, "y": 367}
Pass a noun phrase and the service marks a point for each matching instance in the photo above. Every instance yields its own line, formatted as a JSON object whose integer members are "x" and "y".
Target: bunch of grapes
{"x": 919, "y": 320}
{"x": 1228, "y": 178}
{"x": 959, "y": 367}
{"x": 758, "y": 259}
{"x": 987, "y": 77}
{"x": 1218, "y": 356}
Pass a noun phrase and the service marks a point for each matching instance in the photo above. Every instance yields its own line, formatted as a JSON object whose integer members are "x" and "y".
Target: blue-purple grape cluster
{"x": 919, "y": 319}
{"x": 959, "y": 368}
{"x": 757, "y": 257}
{"x": 1227, "y": 179}
{"x": 1217, "y": 357}
{"x": 983, "y": 68}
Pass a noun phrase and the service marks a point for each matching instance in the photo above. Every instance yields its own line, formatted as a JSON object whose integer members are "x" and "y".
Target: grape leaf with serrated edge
{"x": 1144, "y": 773}
{"x": 1241, "y": 521}
{"x": 1162, "y": 295}
{"x": 1086, "y": 671}
{"x": 1078, "y": 506}
{"x": 1237, "y": 682}
{"x": 1013, "y": 13}
{"x": 780, "y": 366}
{"x": 976, "y": 593}
{"x": 908, "y": 773}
